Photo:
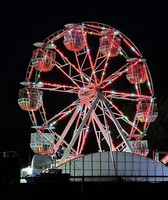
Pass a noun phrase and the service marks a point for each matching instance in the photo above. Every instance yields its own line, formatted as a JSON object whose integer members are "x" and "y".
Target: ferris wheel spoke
{"x": 117, "y": 124}
{"x": 107, "y": 120}
{"x": 114, "y": 76}
{"x": 63, "y": 113}
{"x": 79, "y": 66}
{"x": 59, "y": 88}
{"x": 67, "y": 127}
{"x": 64, "y": 142}
{"x": 70, "y": 70}
{"x": 89, "y": 61}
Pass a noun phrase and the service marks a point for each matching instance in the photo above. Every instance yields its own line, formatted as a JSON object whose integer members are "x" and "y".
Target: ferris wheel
{"x": 87, "y": 88}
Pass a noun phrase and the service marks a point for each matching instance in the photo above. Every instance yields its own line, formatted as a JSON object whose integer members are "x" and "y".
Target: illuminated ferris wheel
{"x": 87, "y": 88}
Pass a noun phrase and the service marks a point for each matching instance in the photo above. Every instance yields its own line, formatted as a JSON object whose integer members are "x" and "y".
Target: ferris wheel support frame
{"x": 78, "y": 132}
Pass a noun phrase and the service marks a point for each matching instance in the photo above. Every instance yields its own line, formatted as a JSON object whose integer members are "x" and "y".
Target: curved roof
{"x": 110, "y": 164}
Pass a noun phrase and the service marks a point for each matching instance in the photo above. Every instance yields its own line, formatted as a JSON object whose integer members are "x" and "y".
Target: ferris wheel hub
{"x": 87, "y": 93}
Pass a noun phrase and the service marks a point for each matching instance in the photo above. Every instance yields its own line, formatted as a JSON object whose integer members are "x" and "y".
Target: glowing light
{"x": 126, "y": 117}
{"x": 69, "y": 112}
{"x": 79, "y": 108}
{"x": 148, "y": 83}
{"x": 121, "y": 53}
{"x": 132, "y": 48}
{"x": 116, "y": 32}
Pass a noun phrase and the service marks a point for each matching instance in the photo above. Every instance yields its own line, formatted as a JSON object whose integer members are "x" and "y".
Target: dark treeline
{"x": 157, "y": 133}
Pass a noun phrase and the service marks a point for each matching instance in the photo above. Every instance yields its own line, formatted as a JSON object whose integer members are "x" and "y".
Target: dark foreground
{"x": 83, "y": 190}
{"x": 59, "y": 186}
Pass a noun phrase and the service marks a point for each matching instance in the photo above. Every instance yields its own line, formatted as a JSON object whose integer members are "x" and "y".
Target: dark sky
{"x": 23, "y": 24}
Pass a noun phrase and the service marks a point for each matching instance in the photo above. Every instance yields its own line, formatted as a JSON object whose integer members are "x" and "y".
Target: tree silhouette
{"x": 157, "y": 133}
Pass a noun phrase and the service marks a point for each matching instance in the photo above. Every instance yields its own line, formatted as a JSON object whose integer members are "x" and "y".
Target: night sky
{"x": 23, "y": 24}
